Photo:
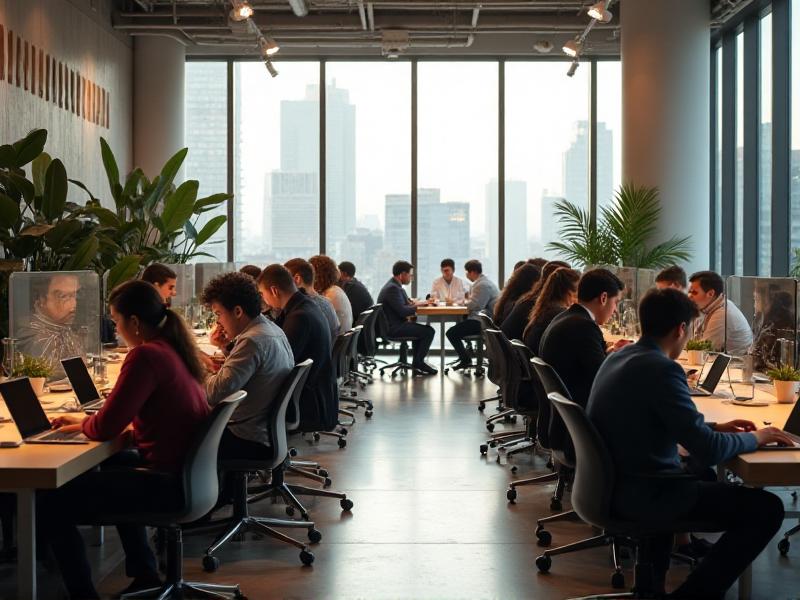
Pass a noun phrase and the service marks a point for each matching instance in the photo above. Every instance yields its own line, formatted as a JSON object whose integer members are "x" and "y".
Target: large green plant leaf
{"x": 23, "y": 187}
{"x": 132, "y": 182}
{"x": 84, "y": 254}
{"x": 127, "y": 268}
{"x": 38, "y": 171}
{"x": 9, "y": 212}
{"x": 209, "y": 229}
{"x": 189, "y": 230}
{"x": 210, "y": 202}
{"x": 179, "y": 206}
{"x": 8, "y": 157}
{"x": 632, "y": 218}
{"x": 55, "y": 191}
{"x": 581, "y": 241}
{"x": 36, "y": 230}
{"x": 29, "y": 147}
{"x": 106, "y": 218}
{"x": 673, "y": 251}
{"x": 85, "y": 189}
{"x": 62, "y": 234}
{"x": 164, "y": 180}
{"x": 110, "y": 165}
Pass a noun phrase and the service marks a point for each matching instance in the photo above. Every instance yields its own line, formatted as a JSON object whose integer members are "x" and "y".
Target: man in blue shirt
{"x": 641, "y": 406}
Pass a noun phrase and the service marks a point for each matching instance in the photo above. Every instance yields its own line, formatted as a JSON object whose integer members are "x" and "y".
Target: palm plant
{"x": 623, "y": 234}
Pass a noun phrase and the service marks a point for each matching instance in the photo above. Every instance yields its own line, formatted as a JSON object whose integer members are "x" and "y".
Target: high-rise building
{"x": 765, "y": 201}
{"x": 576, "y": 166}
{"x": 293, "y": 194}
{"x": 340, "y": 171}
{"x": 549, "y": 221}
{"x": 516, "y": 232}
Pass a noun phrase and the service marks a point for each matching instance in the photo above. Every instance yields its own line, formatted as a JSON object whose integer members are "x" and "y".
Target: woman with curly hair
{"x": 514, "y": 324}
{"x": 326, "y": 274}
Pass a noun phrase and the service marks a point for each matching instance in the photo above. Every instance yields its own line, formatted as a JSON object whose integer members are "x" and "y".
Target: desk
{"x": 442, "y": 314}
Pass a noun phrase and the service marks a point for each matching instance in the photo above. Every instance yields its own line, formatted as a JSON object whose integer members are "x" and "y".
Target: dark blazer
{"x": 514, "y": 324}
{"x": 641, "y": 406}
{"x": 309, "y": 336}
{"x": 395, "y": 304}
{"x": 359, "y": 296}
{"x": 533, "y": 335}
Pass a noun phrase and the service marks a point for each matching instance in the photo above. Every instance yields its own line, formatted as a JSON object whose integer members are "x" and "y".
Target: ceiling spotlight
{"x": 268, "y": 46}
{"x": 241, "y": 10}
{"x": 543, "y": 46}
{"x": 271, "y": 68}
{"x": 572, "y": 68}
{"x": 571, "y": 48}
{"x": 599, "y": 12}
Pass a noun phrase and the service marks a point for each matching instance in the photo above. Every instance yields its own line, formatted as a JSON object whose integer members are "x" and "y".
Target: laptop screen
{"x": 793, "y": 422}
{"x": 715, "y": 372}
{"x": 24, "y": 407}
{"x": 81, "y": 381}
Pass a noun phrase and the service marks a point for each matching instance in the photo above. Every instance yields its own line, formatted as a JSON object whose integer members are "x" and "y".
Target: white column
{"x": 159, "y": 65}
{"x": 666, "y": 114}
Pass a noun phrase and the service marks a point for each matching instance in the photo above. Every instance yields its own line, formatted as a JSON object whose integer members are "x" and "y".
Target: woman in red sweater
{"x": 159, "y": 392}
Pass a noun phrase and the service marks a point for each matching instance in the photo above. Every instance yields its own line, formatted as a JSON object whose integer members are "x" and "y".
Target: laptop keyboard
{"x": 61, "y": 435}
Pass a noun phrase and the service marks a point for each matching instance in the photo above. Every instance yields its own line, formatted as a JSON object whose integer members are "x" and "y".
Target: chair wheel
{"x": 290, "y": 511}
{"x": 341, "y": 431}
{"x": 555, "y": 505}
{"x": 493, "y": 444}
{"x": 783, "y": 547}
{"x": 327, "y": 483}
{"x": 346, "y": 504}
{"x": 314, "y": 536}
{"x": 342, "y": 442}
{"x": 514, "y": 468}
{"x": 368, "y": 413}
{"x": 292, "y": 451}
{"x": 543, "y": 563}
{"x": 316, "y": 437}
{"x": 306, "y": 557}
{"x": 322, "y": 472}
{"x": 484, "y": 449}
{"x": 482, "y": 406}
{"x": 490, "y": 427}
{"x": 369, "y": 405}
{"x": 543, "y": 538}
{"x": 618, "y": 581}
{"x": 511, "y": 494}
{"x": 210, "y": 563}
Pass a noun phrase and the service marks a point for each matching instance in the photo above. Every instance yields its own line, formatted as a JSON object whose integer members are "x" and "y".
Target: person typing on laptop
{"x": 641, "y": 407}
{"x": 159, "y": 391}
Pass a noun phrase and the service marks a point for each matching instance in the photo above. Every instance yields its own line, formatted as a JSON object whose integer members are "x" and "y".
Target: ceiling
{"x": 388, "y": 27}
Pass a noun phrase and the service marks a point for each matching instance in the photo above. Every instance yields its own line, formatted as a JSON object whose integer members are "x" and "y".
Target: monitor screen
{"x": 24, "y": 407}
{"x": 81, "y": 380}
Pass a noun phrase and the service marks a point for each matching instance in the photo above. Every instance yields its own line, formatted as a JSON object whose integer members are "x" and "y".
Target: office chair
{"x": 592, "y": 492}
{"x": 479, "y": 364}
{"x": 368, "y": 345}
{"x": 487, "y": 323}
{"x": 348, "y": 366}
{"x": 198, "y": 487}
{"x": 354, "y": 376}
{"x": 239, "y": 469}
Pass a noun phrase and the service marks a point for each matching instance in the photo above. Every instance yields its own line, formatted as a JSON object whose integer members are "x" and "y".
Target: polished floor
{"x": 430, "y": 520}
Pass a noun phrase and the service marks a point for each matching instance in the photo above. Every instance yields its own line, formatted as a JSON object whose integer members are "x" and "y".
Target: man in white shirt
{"x": 448, "y": 287}
{"x": 721, "y": 322}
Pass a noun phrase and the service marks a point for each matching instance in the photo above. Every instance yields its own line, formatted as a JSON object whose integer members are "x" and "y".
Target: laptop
{"x": 792, "y": 429}
{"x": 29, "y": 417}
{"x": 712, "y": 378}
{"x": 83, "y": 386}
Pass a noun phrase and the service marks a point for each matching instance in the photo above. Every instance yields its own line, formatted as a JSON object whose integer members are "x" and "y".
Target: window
{"x": 609, "y": 131}
{"x": 765, "y": 150}
{"x": 368, "y": 171}
{"x": 457, "y": 167}
{"x": 547, "y": 152}
{"x": 276, "y": 162}
{"x": 794, "y": 168}
{"x": 718, "y": 169}
{"x": 206, "y": 135}
{"x": 739, "y": 194}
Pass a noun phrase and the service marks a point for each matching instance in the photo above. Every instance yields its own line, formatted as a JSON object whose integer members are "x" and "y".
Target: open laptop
{"x": 712, "y": 378}
{"x": 83, "y": 386}
{"x": 792, "y": 429}
{"x": 28, "y": 415}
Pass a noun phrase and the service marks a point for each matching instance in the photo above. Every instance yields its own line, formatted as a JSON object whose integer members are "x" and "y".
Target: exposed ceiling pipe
{"x": 180, "y": 39}
{"x": 362, "y": 14}
{"x": 299, "y": 7}
{"x": 475, "y": 12}
{"x": 370, "y": 16}
{"x": 430, "y": 42}
{"x": 146, "y": 6}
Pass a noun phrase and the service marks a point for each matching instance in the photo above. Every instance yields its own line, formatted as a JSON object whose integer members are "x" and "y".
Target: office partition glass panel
{"x": 206, "y": 136}
{"x": 457, "y": 108}
{"x": 609, "y": 131}
{"x": 547, "y": 152}
{"x": 795, "y": 142}
{"x": 765, "y": 150}
{"x": 739, "y": 192}
{"x": 276, "y": 162}
{"x": 718, "y": 170}
{"x": 368, "y": 167}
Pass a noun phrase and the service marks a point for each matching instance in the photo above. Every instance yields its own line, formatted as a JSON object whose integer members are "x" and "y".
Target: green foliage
{"x": 795, "y": 272}
{"x": 31, "y": 366}
{"x": 622, "y": 235}
{"x": 784, "y": 373}
{"x": 702, "y": 345}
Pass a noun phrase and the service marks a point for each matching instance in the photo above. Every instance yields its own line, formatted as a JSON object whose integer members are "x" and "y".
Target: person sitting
{"x": 558, "y": 294}
{"x": 398, "y": 309}
{"x": 641, "y": 407}
{"x": 326, "y": 275}
{"x": 357, "y": 292}
{"x": 257, "y": 360}
{"x": 672, "y": 277}
{"x": 573, "y": 343}
{"x": 521, "y": 282}
{"x": 721, "y": 321}
{"x": 483, "y": 297}
{"x": 307, "y": 331}
{"x": 251, "y": 270}
{"x": 165, "y": 280}
{"x": 448, "y": 288}
{"x": 303, "y": 274}
{"x": 517, "y": 320}
{"x": 160, "y": 392}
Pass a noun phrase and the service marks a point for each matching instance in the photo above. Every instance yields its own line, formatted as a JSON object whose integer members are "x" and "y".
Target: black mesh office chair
{"x": 487, "y": 323}
{"x": 402, "y": 365}
{"x": 368, "y": 344}
{"x": 198, "y": 486}
{"x": 592, "y": 493}
{"x": 354, "y": 376}
{"x": 478, "y": 366}
{"x": 349, "y": 374}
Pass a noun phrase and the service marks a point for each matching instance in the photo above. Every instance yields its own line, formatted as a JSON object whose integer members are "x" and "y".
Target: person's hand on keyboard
{"x": 769, "y": 435}
{"x": 68, "y": 423}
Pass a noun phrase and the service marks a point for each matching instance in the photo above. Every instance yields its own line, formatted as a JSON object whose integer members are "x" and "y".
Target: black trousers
{"x": 749, "y": 517}
{"x": 424, "y": 338}
{"x": 458, "y": 332}
{"x": 113, "y": 489}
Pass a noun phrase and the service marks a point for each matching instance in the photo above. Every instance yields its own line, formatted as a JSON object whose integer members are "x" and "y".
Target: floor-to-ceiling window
{"x": 765, "y": 149}
{"x": 609, "y": 131}
{"x": 368, "y": 166}
{"x": 795, "y": 135}
{"x": 718, "y": 165}
{"x": 547, "y": 134}
{"x": 739, "y": 191}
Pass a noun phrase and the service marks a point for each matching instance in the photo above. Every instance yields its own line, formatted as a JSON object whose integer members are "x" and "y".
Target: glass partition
{"x": 205, "y": 272}
{"x": 55, "y": 315}
{"x": 185, "y": 292}
{"x": 769, "y": 304}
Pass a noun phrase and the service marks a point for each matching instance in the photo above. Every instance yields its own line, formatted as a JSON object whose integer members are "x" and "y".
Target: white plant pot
{"x": 786, "y": 391}
{"x": 696, "y": 357}
{"x": 37, "y": 383}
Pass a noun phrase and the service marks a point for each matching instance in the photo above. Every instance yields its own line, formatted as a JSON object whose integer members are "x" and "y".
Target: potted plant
{"x": 697, "y": 349}
{"x": 36, "y": 369}
{"x": 786, "y": 380}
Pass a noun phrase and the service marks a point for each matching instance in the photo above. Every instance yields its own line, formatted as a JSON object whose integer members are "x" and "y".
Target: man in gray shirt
{"x": 721, "y": 322}
{"x": 482, "y": 297}
{"x": 303, "y": 274}
{"x": 257, "y": 360}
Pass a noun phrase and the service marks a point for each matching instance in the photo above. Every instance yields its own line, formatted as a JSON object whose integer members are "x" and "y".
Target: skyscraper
{"x": 340, "y": 172}
{"x": 516, "y": 222}
{"x": 549, "y": 221}
{"x": 576, "y": 166}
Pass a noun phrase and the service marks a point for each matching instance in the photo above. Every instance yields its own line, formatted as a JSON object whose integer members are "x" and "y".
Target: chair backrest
{"x": 558, "y": 435}
{"x": 497, "y": 362}
{"x": 593, "y": 485}
{"x": 532, "y": 394}
{"x": 293, "y": 412}
{"x": 276, "y": 417}
{"x": 512, "y": 371}
{"x": 339, "y": 352}
{"x": 363, "y": 317}
{"x": 200, "y": 479}
{"x": 367, "y": 343}
{"x": 486, "y": 321}
{"x": 381, "y": 324}
{"x": 352, "y": 345}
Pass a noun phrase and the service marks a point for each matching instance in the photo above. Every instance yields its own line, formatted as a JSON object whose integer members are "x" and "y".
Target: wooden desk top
{"x": 442, "y": 311}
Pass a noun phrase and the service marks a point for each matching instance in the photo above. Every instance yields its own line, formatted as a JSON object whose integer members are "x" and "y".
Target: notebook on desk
{"x": 709, "y": 384}
{"x": 29, "y": 416}
{"x": 83, "y": 386}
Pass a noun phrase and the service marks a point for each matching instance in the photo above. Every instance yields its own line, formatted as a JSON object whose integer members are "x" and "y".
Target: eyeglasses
{"x": 63, "y": 298}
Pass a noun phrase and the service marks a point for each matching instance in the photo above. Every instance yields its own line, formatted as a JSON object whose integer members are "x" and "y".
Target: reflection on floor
{"x": 430, "y": 518}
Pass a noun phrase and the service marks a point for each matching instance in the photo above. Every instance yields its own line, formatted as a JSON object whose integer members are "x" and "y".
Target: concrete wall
{"x": 77, "y": 34}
